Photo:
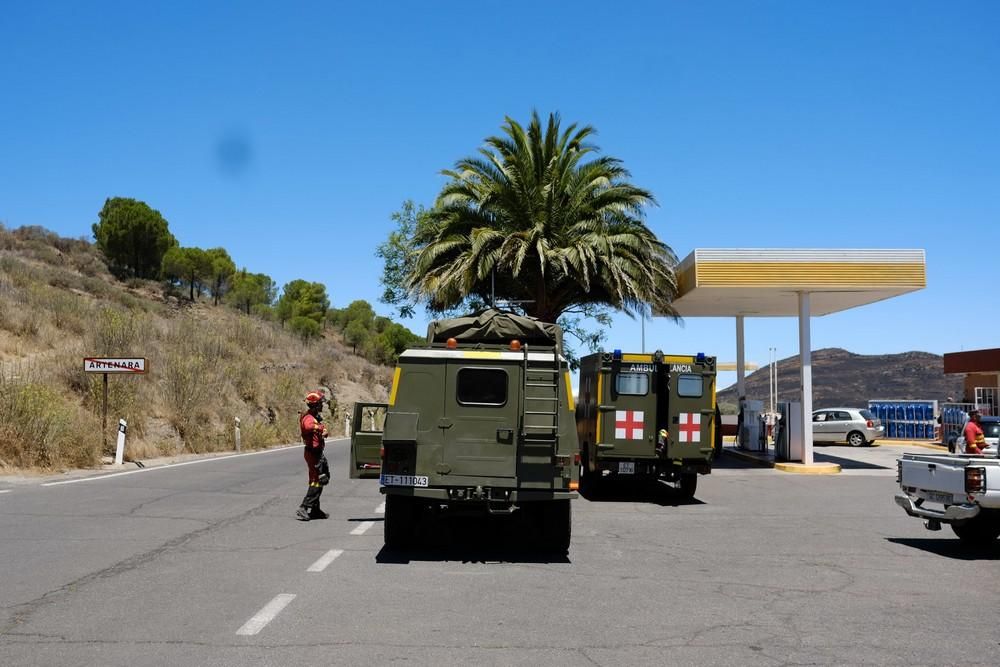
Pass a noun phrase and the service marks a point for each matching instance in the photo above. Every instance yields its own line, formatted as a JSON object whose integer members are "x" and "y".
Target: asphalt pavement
{"x": 203, "y": 563}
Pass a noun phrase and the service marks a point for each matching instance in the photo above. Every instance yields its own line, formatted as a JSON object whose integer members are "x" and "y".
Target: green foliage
{"x": 554, "y": 228}
{"x": 303, "y": 299}
{"x": 133, "y": 237}
{"x": 190, "y": 265}
{"x": 305, "y": 327}
{"x": 399, "y": 254}
{"x": 222, "y": 270}
{"x": 251, "y": 292}
{"x": 356, "y": 334}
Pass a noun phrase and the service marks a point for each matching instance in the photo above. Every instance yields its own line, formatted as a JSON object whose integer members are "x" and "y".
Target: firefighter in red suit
{"x": 314, "y": 438}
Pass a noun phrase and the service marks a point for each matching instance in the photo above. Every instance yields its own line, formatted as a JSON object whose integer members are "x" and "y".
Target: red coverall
{"x": 314, "y": 438}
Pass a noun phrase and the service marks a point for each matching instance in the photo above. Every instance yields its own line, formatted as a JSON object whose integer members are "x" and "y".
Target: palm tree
{"x": 539, "y": 220}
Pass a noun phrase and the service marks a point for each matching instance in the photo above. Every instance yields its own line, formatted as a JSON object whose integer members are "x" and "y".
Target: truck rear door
{"x": 366, "y": 439}
{"x": 480, "y": 419}
{"x": 692, "y": 410}
{"x": 628, "y": 414}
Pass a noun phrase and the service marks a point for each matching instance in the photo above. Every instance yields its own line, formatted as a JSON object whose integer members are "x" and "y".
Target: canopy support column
{"x": 740, "y": 363}
{"x": 805, "y": 375}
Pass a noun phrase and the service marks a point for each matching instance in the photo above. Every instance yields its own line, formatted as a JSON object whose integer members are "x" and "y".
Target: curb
{"x": 812, "y": 469}
{"x": 799, "y": 468}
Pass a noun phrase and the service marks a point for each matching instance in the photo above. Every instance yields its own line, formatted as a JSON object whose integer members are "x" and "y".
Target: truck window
{"x": 632, "y": 384}
{"x": 482, "y": 386}
{"x": 690, "y": 386}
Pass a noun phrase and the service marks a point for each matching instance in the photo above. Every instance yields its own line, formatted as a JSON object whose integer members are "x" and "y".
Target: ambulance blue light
{"x": 617, "y": 354}
{"x": 701, "y": 357}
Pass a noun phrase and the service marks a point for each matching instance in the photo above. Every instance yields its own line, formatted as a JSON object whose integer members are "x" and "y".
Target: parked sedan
{"x": 855, "y": 426}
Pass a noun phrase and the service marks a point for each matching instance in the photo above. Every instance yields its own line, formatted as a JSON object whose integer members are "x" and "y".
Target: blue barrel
{"x": 900, "y": 412}
{"x": 911, "y": 410}
{"x": 891, "y": 429}
{"x": 910, "y": 430}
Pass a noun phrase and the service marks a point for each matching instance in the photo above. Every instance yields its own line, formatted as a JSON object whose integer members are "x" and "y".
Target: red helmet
{"x": 314, "y": 397}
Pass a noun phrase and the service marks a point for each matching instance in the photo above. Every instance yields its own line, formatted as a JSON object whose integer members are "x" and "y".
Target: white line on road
{"x": 4, "y": 490}
{"x": 380, "y": 509}
{"x": 362, "y": 527}
{"x": 325, "y": 560}
{"x": 266, "y": 615}
{"x": 169, "y": 465}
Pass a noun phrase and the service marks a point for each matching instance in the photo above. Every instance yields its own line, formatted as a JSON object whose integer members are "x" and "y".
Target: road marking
{"x": 325, "y": 560}
{"x": 8, "y": 491}
{"x": 170, "y": 465}
{"x": 362, "y": 527}
{"x": 266, "y": 615}
{"x": 380, "y": 509}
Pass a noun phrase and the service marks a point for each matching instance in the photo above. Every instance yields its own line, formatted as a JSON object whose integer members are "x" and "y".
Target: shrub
{"x": 304, "y": 327}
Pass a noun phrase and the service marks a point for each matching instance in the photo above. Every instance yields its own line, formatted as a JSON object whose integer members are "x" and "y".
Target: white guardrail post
{"x": 120, "y": 449}
{"x": 237, "y": 427}
{"x": 347, "y": 427}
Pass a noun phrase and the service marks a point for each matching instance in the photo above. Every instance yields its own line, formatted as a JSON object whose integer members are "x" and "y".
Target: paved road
{"x": 203, "y": 564}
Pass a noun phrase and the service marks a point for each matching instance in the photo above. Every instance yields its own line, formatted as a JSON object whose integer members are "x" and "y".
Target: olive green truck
{"x": 479, "y": 420}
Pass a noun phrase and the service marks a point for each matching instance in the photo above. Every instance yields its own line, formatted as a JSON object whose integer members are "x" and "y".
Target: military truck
{"x": 628, "y": 400}
{"x": 480, "y": 420}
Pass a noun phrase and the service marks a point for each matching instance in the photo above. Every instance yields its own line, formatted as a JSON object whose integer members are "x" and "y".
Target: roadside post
{"x": 120, "y": 449}
{"x": 347, "y": 427}
{"x": 237, "y": 433}
{"x": 112, "y": 365}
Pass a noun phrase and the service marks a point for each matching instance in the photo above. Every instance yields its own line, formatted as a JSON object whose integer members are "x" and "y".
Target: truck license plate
{"x": 939, "y": 497}
{"x": 626, "y": 467}
{"x": 404, "y": 480}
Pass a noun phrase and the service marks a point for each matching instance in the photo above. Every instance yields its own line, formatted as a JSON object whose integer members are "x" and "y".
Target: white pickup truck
{"x": 962, "y": 490}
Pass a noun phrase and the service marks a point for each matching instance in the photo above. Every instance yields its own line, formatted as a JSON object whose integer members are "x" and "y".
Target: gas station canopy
{"x": 722, "y": 282}
{"x": 769, "y": 282}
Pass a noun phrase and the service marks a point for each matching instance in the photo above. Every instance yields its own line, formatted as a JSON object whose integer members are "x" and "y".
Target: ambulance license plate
{"x": 626, "y": 467}
{"x": 404, "y": 480}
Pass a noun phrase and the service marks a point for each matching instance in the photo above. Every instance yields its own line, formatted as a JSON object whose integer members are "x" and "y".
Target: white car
{"x": 855, "y": 426}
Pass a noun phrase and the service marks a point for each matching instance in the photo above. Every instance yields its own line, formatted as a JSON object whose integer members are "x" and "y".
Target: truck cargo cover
{"x": 495, "y": 326}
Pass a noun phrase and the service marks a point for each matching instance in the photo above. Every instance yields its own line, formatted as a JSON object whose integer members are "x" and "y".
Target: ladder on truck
{"x": 540, "y": 396}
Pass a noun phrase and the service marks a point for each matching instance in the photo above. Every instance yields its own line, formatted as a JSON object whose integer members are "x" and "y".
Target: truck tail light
{"x": 381, "y": 453}
{"x": 576, "y": 459}
{"x": 574, "y": 486}
{"x": 975, "y": 480}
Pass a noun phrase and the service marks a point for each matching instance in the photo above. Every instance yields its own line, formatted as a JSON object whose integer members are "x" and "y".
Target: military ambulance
{"x": 646, "y": 417}
{"x": 480, "y": 420}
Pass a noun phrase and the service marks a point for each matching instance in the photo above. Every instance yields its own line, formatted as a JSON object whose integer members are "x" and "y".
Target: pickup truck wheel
{"x": 979, "y": 531}
{"x": 856, "y": 439}
{"x": 399, "y": 519}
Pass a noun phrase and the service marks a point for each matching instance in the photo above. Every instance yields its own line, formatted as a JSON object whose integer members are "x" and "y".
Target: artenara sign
{"x": 102, "y": 365}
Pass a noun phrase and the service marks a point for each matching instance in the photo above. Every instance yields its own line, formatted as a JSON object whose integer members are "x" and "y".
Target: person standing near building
{"x": 314, "y": 438}
{"x": 975, "y": 440}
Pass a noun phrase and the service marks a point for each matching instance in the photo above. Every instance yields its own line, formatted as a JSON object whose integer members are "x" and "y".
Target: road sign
{"x": 114, "y": 365}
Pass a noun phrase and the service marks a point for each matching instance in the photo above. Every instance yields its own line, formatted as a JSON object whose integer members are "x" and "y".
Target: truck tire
{"x": 856, "y": 439}
{"x": 556, "y": 525}
{"x": 979, "y": 531}
{"x": 688, "y": 485}
{"x": 399, "y": 522}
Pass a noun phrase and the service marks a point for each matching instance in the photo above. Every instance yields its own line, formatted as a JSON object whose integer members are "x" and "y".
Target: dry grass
{"x": 207, "y": 365}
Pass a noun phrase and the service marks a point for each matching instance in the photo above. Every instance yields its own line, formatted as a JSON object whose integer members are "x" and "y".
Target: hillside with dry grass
{"x": 207, "y": 364}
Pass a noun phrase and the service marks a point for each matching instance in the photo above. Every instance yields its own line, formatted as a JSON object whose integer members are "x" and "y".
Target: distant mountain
{"x": 841, "y": 378}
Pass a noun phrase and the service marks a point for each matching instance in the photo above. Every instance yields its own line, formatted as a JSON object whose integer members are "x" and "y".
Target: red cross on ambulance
{"x": 690, "y": 427}
{"x": 628, "y": 424}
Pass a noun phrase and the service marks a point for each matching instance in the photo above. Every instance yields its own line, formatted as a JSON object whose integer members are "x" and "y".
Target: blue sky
{"x": 289, "y": 134}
